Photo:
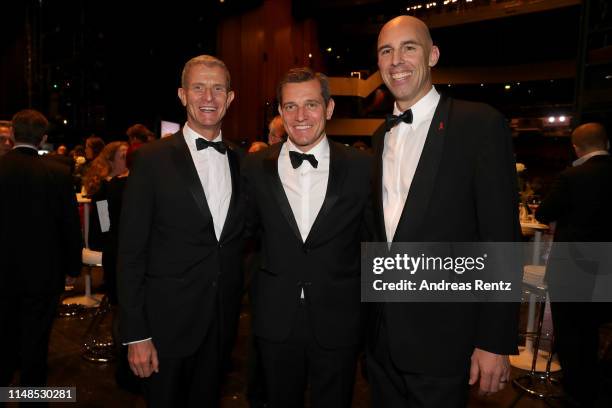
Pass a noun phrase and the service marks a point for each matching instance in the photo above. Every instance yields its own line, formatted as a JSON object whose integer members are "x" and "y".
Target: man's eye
{"x": 289, "y": 108}
{"x": 311, "y": 105}
{"x": 385, "y": 51}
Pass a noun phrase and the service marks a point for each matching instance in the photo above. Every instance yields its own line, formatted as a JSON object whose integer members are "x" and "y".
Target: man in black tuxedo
{"x": 180, "y": 247}
{"x": 579, "y": 201}
{"x": 308, "y": 198}
{"x": 443, "y": 172}
{"x": 40, "y": 239}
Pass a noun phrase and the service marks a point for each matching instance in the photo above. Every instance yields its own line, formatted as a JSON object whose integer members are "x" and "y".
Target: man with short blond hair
{"x": 180, "y": 249}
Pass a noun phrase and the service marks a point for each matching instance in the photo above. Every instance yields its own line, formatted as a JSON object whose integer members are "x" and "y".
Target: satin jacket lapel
{"x": 377, "y": 196}
{"x": 337, "y": 174}
{"x": 424, "y": 179}
{"x": 270, "y": 164}
{"x": 234, "y": 165}
{"x": 189, "y": 174}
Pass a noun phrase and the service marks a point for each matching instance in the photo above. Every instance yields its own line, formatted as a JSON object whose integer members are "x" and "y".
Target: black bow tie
{"x": 202, "y": 143}
{"x": 391, "y": 120}
{"x": 298, "y": 158}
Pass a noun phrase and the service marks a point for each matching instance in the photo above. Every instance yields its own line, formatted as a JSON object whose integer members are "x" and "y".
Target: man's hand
{"x": 142, "y": 357}
{"x": 493, "y": 370}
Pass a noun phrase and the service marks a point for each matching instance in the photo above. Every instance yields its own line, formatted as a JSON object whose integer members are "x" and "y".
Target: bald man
{"x": 444, "y": 173}
{"x": 579, "y": 201}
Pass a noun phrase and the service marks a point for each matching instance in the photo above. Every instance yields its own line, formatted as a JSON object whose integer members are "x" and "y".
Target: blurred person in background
{"x": 41, "y": 242}
{"x": 138, "y": 135}
{"x": 93, "y": 147}
{"x": 579, "y": 201}
{"x": 257, "y": 146}
{"x": 110, "y": 163}
{"x": 276, "y": 131}
{"x": 6, "y": 136}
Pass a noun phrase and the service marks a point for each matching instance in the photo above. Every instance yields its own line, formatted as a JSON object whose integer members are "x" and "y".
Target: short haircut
{"x": 305, "y": 74}
{"x": 29, "y": 126}
{"x": 209, "y": 61}
{"x": 590, "y": 136}
{"x": 139, "y": 132}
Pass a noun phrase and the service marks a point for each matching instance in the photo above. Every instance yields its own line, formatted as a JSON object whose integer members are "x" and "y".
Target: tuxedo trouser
{"x": 191, "y": 381}
{"x": 288, "y": 367}
{"x": 393, "y": 388}
{"x": 576, "y": 330}
{"x": 25, "y": 324}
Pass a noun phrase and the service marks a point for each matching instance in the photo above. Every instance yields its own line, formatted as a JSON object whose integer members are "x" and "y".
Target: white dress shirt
{"x": 402, "y": 152}
{"x": 305, "y": 186}
{"x": 214, "y": 173}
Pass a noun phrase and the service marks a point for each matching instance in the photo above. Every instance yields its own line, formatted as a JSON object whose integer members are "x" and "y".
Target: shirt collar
{"x": 423, "y": 108}
{"x": 26, "y": 145}
{"x": 320, "y": 151}
{"x": 587, "y": 156}
{"x": 191, "y": 136}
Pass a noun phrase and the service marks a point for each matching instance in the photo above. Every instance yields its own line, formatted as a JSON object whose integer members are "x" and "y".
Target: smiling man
{"x": 444, "y": 173}
{"x": 306, "y": 297}
{"x": 180, "y": 247}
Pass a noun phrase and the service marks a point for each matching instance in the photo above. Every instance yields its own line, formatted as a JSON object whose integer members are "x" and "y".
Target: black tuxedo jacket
{"x": 326, "y": 266}
{"x": 579, "y": 201}
{"x": 464, "y": 190}
{"x": 174, "y": 276}
{"x": 40, "y": 232}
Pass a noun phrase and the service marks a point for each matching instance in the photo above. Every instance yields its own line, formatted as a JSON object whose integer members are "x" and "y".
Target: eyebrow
{"x": 412, "y": 42}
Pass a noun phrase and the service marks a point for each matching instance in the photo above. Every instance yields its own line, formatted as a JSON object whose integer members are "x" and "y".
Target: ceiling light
{"x": 551, "y": 119}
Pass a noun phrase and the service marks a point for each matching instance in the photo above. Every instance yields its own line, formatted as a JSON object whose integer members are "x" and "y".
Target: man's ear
{"x": 182, "y": 96}
{"x": 43, "y": 140}
{"x": 434, "y": 56}
{"x": 329, "y": 110}
{"x": 230, "y": 97}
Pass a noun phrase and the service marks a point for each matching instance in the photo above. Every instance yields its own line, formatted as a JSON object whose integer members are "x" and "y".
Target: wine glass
{"x": 533, "y": 202}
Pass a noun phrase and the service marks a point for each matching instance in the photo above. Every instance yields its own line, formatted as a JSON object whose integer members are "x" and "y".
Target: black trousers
{"x": 191, "y": 381}
{"x": 25, "y": 324}
{"x": 391, "y": 387}
{"x": 289, "y": 366}
{"x": 576, "y": 329}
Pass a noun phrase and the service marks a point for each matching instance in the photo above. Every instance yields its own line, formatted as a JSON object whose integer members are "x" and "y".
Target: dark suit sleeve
{"x": 556, "y": 202}
{"x": 496, "y": 199}
{"x": 136, "y": 222}
{"x": 250, "y": 202}
{"x": 368, "y": 230}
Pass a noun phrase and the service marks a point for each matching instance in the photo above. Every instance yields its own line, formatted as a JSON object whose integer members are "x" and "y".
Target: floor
{"x": 96, "y": 386}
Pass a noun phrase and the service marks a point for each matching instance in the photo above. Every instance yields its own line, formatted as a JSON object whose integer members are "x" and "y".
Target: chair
{"x": 538, "y": 382}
